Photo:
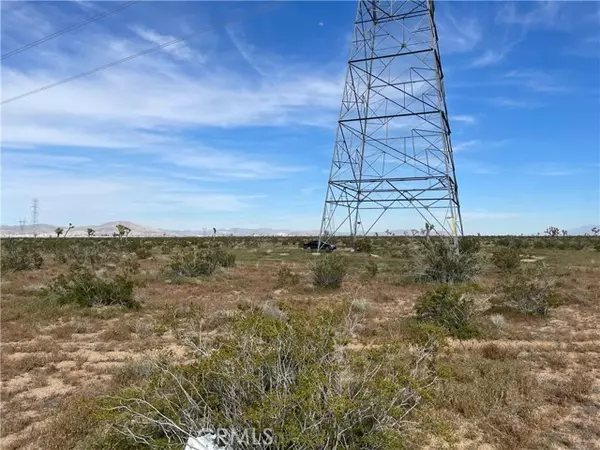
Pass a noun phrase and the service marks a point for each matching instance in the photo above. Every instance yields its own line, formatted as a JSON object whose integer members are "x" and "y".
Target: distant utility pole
{"x": 35, "y": 211}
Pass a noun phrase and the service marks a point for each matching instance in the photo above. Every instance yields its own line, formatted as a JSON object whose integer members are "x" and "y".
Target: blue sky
{"x": 236, "y": 126}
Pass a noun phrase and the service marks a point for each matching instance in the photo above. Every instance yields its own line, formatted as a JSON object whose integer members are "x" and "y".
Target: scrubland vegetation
{"x": 398, "y": 343}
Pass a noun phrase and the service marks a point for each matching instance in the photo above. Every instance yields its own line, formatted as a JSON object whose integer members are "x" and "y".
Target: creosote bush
{"x": 82, "y": 287}
{"x": 328, "y": 271}
{"x": 449, "y": 307}
{"x": 289, "y": 373}
{"x": 371, "y": 269}
{"x": 16, "y": 258}
{"x": 285, "y": 277}
{"x": 507, "y": 259}
{"x": 469, "y": 245}
{"x": 441, "y": 264}
{"x": 363, "y": 245}
{"x": 531, "y": 295}
{"x": 197, "y": 262}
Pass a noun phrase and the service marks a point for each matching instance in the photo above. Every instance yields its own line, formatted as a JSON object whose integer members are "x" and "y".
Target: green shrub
{"x": 363, "y": 245}
{"x": 328, "y": 271}
{"x": 221, "y": 257}
{"x": 285, "y": 277}
{"x": 451, "y": 308}
{"x": 577, "y": 245}
{"x": 287, "y": 375}
{"x": 16, "y": 258}
{"x": 83, "y": 288}
{"x": 507, "y": 259}
{"x": 533, "y": 296}
{"x": 371, "y": 269}
{"x": 441, "y": 264}
{"x": 469, "y": 245}
{"x": 143, "y": 252}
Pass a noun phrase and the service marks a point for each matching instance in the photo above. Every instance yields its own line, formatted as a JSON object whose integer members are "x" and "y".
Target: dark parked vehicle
{"x": 314, "y": 245}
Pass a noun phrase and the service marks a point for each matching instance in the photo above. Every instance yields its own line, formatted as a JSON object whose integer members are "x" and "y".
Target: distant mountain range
{"x": 107, "y": 229}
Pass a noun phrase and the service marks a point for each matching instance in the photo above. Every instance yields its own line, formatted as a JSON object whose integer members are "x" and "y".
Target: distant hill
{"x": 582, "y": 230}
{"x": 108, "y": 228}
{"x": 105, "y": 229}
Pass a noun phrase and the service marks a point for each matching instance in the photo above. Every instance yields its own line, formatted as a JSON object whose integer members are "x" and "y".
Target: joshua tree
{"x": 552, "y": 231}
{"x": 214, "y": 231}
{"x": 91, "y": 232}
{"x": 428, "y": 229}
{"x": 596, "y": 231}
{"x": 565, "y": 232}
{"x": 69, "y": 229}
{"x": 59, "y": 231}
{"x": 122, "y": 230}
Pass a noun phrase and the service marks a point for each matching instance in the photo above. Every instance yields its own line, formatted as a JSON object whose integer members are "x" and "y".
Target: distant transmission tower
{"x": 22, "y": 223}
{"x": 392, "y": 149}
{"x": 35, "y": 210}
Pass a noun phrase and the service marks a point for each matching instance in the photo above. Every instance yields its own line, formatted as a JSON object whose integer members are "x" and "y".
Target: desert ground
{"x": 506, "y": 357}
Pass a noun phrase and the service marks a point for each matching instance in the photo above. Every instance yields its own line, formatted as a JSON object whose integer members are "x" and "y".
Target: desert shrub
{"x": 143, "y": 252}
{"x": 82, "y": 287}
{"x": 507, "y": 259}
{"x": 469, "y": 245}
{"x": 222, "y": 257}
{"x": 285, "y": 277}
{"x": 597, "y": 247}
{"x": 371, "y": 269}
{"x": 129, "y": 266}
{"x": 503, "y": 242}
{"x": 441, "y": 264}
{"x": 194, "y": 262}
{"x": 528, "y": 295}
{"x": 328, "y": 271}
{"x": 577, "y": 245}
{"x": 292, "y": 376}
{"x": 451, "y": 308}
{"x": 518, "y": 243}
{"x": 363, "y": 245}
{"x": 17, "y": 258}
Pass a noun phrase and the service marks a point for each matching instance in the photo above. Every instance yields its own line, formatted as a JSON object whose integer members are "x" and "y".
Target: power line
{"x": 70, "y": 28}
{"x": 127, "y": 58}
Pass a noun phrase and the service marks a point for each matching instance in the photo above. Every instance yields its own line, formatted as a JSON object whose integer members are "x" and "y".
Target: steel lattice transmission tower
{"x": 393, "y": 149}
{"x": 35, "y": 210}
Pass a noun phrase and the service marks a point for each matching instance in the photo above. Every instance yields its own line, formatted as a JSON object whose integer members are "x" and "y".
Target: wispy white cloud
{"x": 528, "y": 14}
{"x": 508, "y": 102}
{"x": 458, "y": 32}
{"x": 460, "y": 146}
{"x": 588, "y": 47}
{"x": 489, "y": 57}
{"x": 535, "y": 80}
{"x": 179, "y": 50}
{"x": 464, "y": 118}
{"x": 95, "y": 198}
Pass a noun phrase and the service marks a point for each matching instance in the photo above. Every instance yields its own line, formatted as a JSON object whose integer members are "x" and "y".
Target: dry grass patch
{"x": 498, "y": 396}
